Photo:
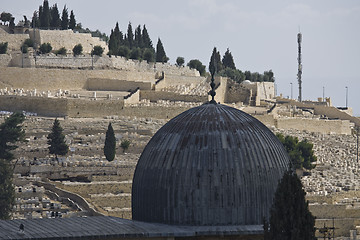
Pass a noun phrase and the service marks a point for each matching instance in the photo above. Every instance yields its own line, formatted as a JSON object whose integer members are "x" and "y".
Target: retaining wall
{"x": 5, "y": 60}
{"x": 14, "y": 40}
{"x": 60, "y": 107}
{"x": 155, "y": 96}
{"x": 70, "y": 79}
{"x": 315, "y": 125}
{"x": 68, "y": 39}
{"x": 96, "y": 84}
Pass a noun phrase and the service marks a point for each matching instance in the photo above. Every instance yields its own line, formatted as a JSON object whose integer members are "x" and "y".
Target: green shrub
{"x": 135, "y": 54}
{"x": 301, "y": 153}
{"x": 3, "y": 47}
{"x": 97, "y": 50}
{"x": 24, "y": 48}
{"x": 61, "y": 51}
{"x": 77, "y": 50}
{"x": 29, "y": 42}
{"x": 123, "y": 51}
{"x": 45, "y": 48}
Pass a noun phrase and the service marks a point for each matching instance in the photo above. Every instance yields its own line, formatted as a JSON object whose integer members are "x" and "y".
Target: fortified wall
{"x": 324, "y": 126}
{"x": 62, "y": 107}
{"x": 44, "y": 79}
{"x": 322, "y": 110}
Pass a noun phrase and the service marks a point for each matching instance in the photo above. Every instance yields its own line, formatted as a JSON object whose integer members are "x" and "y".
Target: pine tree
{"x": 290, "y": 217}
{"x": 56, "y": 140}
{"x": 215, "y": 64}
{"x": 228, "y": 60}
{"x": 146, "y": 38}
{"x": 130, "y": 36}
{"x": 45, "y": 15}
{"x": 55, "y": 17}
{"x": 110, "y": 144}
{"x": 35, "y": 22}
{"x": 65, "y": 19}
{"x": 72, "y": 22}
{"x": 160, "y": 52}
{"x": 10, "y": 132}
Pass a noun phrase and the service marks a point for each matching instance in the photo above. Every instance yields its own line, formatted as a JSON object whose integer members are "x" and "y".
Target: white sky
{"x": 261, "y": 35}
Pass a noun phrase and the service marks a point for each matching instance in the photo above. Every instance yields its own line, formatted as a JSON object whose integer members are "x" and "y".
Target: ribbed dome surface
{"x": 210, "y": 165}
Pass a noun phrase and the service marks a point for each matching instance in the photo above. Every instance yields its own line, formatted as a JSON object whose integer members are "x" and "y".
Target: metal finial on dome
{"x": 212, "y": 91}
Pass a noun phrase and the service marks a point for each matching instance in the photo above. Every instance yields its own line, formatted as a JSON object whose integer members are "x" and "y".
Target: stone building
{"x": 209, "y": 173}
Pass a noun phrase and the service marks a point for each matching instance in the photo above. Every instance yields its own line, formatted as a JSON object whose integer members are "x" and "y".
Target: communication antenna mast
{"x": 299, "y": 39}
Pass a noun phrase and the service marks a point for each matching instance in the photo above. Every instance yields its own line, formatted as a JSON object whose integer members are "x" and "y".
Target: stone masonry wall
{"x": 315, "y": 125}
{"x": 68, "y": 39}
{"x": 14, "y": 40}
{"x": 52, "y": 107}
{"x": 70, "y": 79}
{"x": 95, "y": 84}
{"x": 5, "y": 60}
{"x": 155, "y": 96}
{"x": 307, "y": 124}
{"x": 94, "y": 108}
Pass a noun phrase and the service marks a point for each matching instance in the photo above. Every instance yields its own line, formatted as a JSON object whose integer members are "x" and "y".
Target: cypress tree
{"x": 45, "y": 16}
{"x": 146, "y": 38}
{"x": 111, "y": 43}
{"x": 130, "y": 36}
{"x": 160, "y": 52}
{"x": 35, "y": 22}
{"x": 10, "y": 132}
{"x": 72, "y": 22}
{"x": 65, "y": 19}
{"x": 138, "y": 37}
{"x": 110, "y": 144}
{"x": 215, "y": 64}
{"x": 55, "y": 17}
{"x": 40, "y": 14}
{"x": 290, "y": 217}
{"x": 56, "y": 140}
{"x": 228, "y": 60}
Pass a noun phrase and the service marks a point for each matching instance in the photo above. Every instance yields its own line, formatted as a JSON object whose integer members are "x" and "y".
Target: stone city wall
{"x": 68, "y": 39}
{"x": 237, "y": 93}
{"x": 21, "y": 60}
{"x": 155, "y": 96}
{"x": 60, "y": 107}
{"x": 96, "y": 84}
{"x": 307, "y": 124}
{"x": 94, "y": 108}
{"x": 153, "y": 111}
{"x": 315, "y": 125}
{"x": 328, "y": 111}
{"x": 52, "y": 79}
{"x": 14, "y": 40}
{"x": 171, "y": 80}
{"x": 52, "y": 107}
{"x": 5, "y": 60}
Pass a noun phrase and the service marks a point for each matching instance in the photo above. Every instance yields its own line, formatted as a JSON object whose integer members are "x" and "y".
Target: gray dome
{"x": 210, "y": 165}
